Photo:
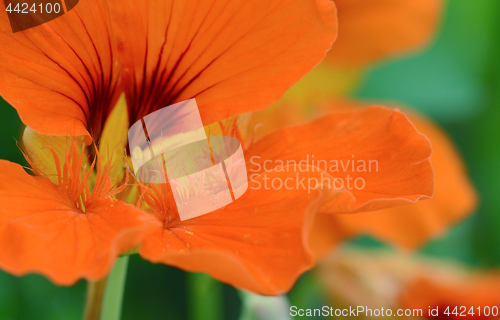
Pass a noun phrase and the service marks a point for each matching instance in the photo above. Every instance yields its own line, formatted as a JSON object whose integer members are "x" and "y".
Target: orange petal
{"x": 391, "y": 157}
{"x": 60, "y": 76}
{"x": 410, "y": 226}
{"x": 40, "y": 231}
{"x": 373, "y": 30}
{"x": 232, "y": 56}
{"x": 257, "y": 243}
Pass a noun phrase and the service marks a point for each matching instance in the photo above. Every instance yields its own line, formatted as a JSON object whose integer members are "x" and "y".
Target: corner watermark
{"x": 27, "y": 14}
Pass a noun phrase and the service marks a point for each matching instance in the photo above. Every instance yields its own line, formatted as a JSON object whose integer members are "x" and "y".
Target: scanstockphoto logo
{"x": 27, "y": 14}
{"x": 205, "y": 173}
{"x": 339, "y": 174}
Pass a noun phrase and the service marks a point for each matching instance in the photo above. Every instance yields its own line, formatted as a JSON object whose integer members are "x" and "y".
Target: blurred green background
{"x": 456, "y": 82}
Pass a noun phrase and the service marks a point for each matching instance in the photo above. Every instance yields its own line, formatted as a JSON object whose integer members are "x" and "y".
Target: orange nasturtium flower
{"x": 407, "y": 25}
{"x": 65, "y": 77}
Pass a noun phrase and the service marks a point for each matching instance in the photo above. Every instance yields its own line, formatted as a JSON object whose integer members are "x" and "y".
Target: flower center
{"x": 82, "y": 184}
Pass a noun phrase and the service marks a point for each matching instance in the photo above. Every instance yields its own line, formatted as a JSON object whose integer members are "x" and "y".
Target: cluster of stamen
{"x": 76, "y": 178}
{"x": 158, "y": 197}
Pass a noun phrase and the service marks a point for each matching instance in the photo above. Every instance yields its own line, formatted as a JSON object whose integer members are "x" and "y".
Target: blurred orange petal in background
{"x": 383, "y": 278}
{"x": 412, "y": 225}
{"x": 370, "y": 31}
{"x": 407, "y": 226}
{"x": 408, "y": 25}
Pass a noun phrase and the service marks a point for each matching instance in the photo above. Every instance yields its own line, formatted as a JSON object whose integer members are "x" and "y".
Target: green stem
{"x": 255, "y": 306}
{"x": 115, "y": 287}
{"x": 95, "y": 294}
{"x": 205, "y": 297}
{"x": 104, "y": 297}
